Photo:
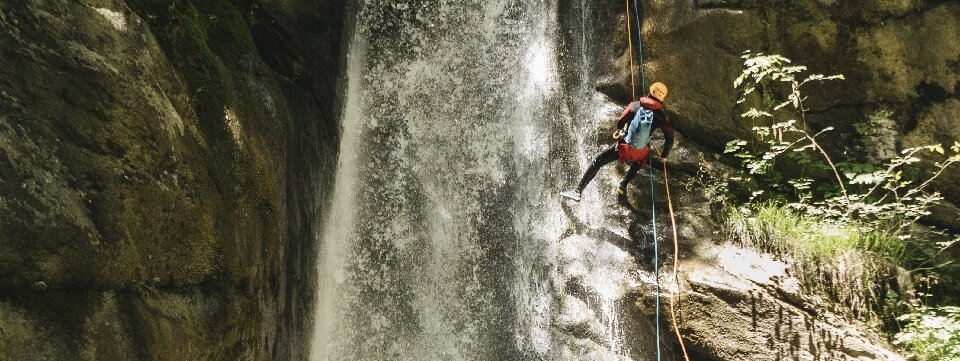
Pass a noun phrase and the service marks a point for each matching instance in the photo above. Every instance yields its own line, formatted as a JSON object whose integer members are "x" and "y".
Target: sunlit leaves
{"x": 882, "y": 199}
{"x": 948, "y": 244}
{"x": 781, "y": 105}
{"x": 735, "y": 146}
{"x": 876, "y": 194}
{"x": 931, "y": 333}
{"x": 754, "y": 113}
{"x": 821, "y": 77}
{"x": 760, "y": 68}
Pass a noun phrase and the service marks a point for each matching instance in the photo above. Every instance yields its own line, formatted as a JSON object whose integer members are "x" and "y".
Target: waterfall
{"x": 446, "y": 240}
{"x": 439, "y": 243}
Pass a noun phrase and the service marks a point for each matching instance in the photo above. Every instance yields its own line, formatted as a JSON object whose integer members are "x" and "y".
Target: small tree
{"x": 878, "y": 197}
{"x": 879, "y": 204}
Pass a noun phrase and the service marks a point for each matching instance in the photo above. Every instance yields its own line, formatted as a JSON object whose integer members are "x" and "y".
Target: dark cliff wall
{"x": 163, "y": 164}
{"x": 901, "y": 60}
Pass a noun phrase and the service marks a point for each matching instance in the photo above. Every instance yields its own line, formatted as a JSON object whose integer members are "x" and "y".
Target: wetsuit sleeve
{"x": 667, "y": 135}
{"x": 667, "y": 141}
{"x": 626, "y": 116}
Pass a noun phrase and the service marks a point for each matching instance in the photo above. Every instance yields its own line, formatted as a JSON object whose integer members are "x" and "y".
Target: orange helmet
{"x": 658, "y": 90}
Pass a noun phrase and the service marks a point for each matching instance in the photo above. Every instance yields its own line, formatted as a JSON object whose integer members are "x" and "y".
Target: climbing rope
{"x": 633, "y": 85}
{"x": 656, "y": 251}
{"x": 676, "y": 257}
{"x": 643, "y": 78}
{"x": 676, "y": 253}
{"x": 653, "y": 207}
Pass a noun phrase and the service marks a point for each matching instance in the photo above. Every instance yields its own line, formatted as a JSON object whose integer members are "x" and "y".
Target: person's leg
{"x": 632, "y": 172}
{"x": 608, "y": 156}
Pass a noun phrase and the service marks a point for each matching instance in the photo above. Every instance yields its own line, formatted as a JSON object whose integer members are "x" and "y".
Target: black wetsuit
{"x": 611, "y": 154}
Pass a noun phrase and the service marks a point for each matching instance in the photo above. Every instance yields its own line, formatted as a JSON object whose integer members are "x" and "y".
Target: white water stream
{"x": 446, "y": 240}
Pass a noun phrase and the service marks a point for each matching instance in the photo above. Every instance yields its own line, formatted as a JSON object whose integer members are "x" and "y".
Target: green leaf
{"x": 740, "y": 79}
{"x": 754, "y": 113}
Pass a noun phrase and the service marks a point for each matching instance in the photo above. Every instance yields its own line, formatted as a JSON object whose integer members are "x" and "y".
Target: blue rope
{"x": 656, "y": 251}
{"x": 653, "y": 200}
{"x": 643, "y": 79}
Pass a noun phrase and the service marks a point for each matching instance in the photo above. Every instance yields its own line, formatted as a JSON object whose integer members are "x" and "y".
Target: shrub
{"x": 834, "y": 258}
{"x": 847, "y": 222}
{"x": 931, "y": 334}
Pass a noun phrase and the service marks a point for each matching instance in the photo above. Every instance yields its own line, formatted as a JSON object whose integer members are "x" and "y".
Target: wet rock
{"x": 734, "y": 304}
{"x": 159, "y": 179}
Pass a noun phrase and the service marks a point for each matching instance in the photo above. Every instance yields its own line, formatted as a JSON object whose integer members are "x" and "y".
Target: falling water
{"x": 439, "y": 247}
{"x": 446, "y": 240}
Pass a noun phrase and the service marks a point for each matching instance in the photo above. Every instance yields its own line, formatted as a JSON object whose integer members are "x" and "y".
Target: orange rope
{"x": 673, "y": 219}
{"x": 676, "y": 257}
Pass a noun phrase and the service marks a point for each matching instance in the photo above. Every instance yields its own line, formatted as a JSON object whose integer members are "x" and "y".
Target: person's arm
{"x": 667, "y": 134}
{"x": 626, "y": 116}
{"x": 667, "y": 141}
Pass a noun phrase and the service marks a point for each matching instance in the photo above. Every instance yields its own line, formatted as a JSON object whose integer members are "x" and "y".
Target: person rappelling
{"x": 636, "y": 123}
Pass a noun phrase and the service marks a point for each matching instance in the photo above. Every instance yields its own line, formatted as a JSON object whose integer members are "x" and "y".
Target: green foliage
{"x": 778, "y": 229}
{"x": 876, "y": 197}
{"x": 845, "y": 222}
{"x": 931, "y": 334}
{"x": 871, "y": 126}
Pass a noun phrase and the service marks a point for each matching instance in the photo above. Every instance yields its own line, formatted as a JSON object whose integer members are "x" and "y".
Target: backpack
{"x": 638, "y": 129}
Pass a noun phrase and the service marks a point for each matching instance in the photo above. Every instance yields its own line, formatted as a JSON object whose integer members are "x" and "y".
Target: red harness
{"x": 626, "y": 152}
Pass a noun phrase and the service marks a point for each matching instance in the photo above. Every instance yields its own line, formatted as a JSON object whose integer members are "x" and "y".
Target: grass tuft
{"x": 851, "y": 264}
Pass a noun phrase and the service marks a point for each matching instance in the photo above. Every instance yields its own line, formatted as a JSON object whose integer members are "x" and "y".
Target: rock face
{"x": 736, "y": 304}
{"x": 741, "y": 305}
{"x": 901, "y": 60}
{"x": 162, "y": 164}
